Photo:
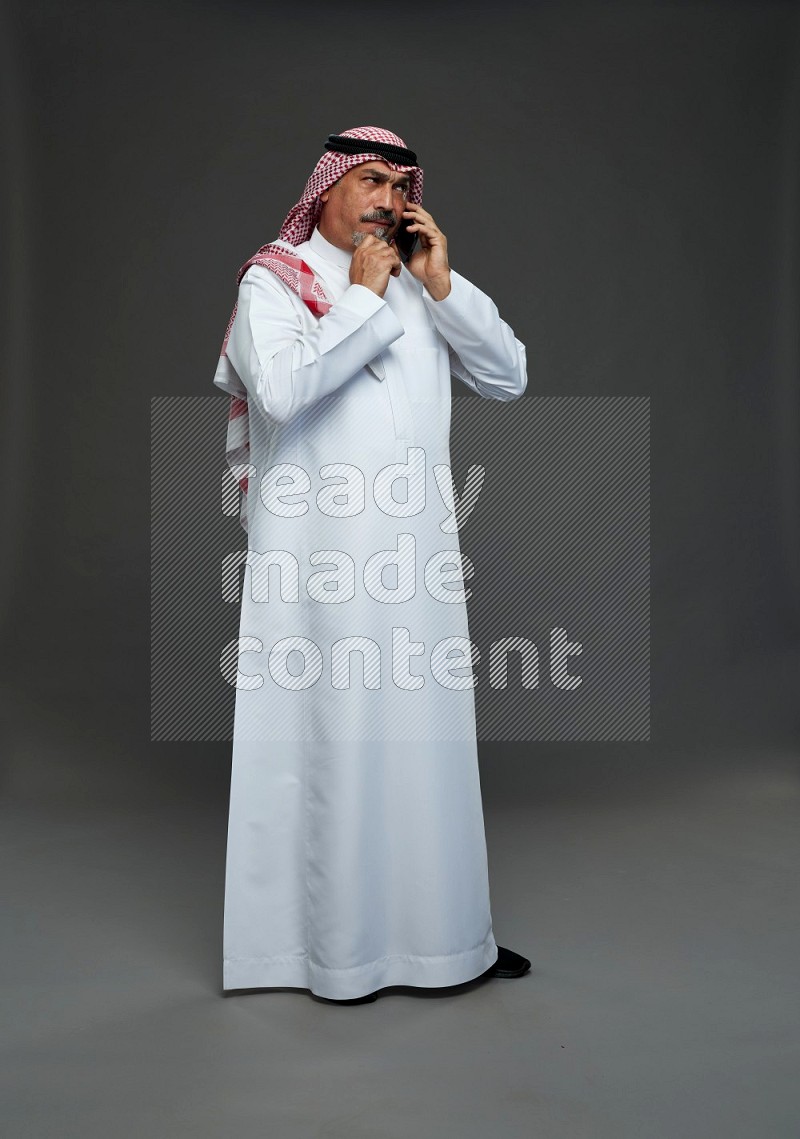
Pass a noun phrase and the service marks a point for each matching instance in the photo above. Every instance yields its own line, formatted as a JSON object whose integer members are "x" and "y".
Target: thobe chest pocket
{"x": 421, "y": 353}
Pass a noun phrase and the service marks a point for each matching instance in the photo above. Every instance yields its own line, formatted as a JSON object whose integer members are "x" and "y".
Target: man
{"x": 356, "y": 850}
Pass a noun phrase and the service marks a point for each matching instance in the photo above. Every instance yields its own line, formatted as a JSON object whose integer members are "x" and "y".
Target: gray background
{"x": 623, "y": 181}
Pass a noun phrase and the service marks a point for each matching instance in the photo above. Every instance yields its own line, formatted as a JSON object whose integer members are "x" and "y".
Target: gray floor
{"x": 656, "y": 894}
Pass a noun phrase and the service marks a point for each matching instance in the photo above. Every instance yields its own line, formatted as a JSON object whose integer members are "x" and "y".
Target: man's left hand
{"x": 429, "y": 264}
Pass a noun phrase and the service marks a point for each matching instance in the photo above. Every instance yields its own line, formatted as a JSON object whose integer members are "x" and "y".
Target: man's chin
{"x": 385, "y": 233}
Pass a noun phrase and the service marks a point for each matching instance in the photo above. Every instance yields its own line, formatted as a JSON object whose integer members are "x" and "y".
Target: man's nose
{"x": 386, "y": 197}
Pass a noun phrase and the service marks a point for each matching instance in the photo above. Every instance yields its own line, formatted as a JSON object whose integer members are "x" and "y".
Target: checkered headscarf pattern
{"x": 279, "y": 257}
{"x": 301, "y": 219}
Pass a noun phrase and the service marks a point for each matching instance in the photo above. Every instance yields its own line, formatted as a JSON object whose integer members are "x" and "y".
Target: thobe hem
{"x": 344, "y": 984}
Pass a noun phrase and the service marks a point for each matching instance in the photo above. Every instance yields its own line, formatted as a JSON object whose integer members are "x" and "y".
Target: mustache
{"x": 380, "y": 215}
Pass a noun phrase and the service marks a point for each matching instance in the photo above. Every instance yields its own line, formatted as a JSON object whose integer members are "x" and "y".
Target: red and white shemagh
{"x": 279, "y": 257}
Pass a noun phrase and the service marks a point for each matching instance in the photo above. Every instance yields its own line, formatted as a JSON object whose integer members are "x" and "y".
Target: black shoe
{"x": 509, "y": 964}
{"x": 351, "y": 1000}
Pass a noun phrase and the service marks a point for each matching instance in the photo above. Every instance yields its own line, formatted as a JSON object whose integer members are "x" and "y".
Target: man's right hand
{"x": 374, "y": 261}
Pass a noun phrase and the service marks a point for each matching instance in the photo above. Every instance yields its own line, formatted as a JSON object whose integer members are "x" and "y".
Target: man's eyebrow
{"x": 379, "y": 174}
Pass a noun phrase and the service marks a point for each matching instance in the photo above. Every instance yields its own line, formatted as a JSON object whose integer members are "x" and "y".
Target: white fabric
{"x": 356, "y": 851}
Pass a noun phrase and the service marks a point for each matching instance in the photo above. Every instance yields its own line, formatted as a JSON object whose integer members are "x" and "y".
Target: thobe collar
{"x": 341, "y": 257}
{"x": 329, "y": 252}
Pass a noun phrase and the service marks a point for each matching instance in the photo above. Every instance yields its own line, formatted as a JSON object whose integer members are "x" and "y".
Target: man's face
{"x": 369, "y": 198}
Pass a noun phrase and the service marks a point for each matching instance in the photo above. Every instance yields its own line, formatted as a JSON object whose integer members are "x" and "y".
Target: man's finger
{"x": 417, "y": 213}
{"x": 373, "y": 242}
{"x": 369, "y": 241}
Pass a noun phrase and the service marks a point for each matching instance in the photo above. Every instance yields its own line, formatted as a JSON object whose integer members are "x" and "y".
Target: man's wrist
{"x": 439, "y": 287}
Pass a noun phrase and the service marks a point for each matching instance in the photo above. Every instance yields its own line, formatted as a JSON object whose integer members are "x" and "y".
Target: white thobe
{"x": 356, "y": 853}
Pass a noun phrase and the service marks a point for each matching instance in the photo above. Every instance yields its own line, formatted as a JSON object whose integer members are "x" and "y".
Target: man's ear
{"x": 326, "y": 193}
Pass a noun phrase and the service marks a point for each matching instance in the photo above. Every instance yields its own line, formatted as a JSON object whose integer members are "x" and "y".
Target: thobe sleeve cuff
{"x": 363, "y": 302}
{"x": 378, "y": 326}
{"x": 458, "y": 287}
{"x": 286, "y": 368}
{"x": 485, "y": 354}
{"x": 460, "y": 307}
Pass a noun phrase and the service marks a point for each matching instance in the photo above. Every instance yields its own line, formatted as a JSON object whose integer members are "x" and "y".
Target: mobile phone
{"x": 405, "y": 241}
